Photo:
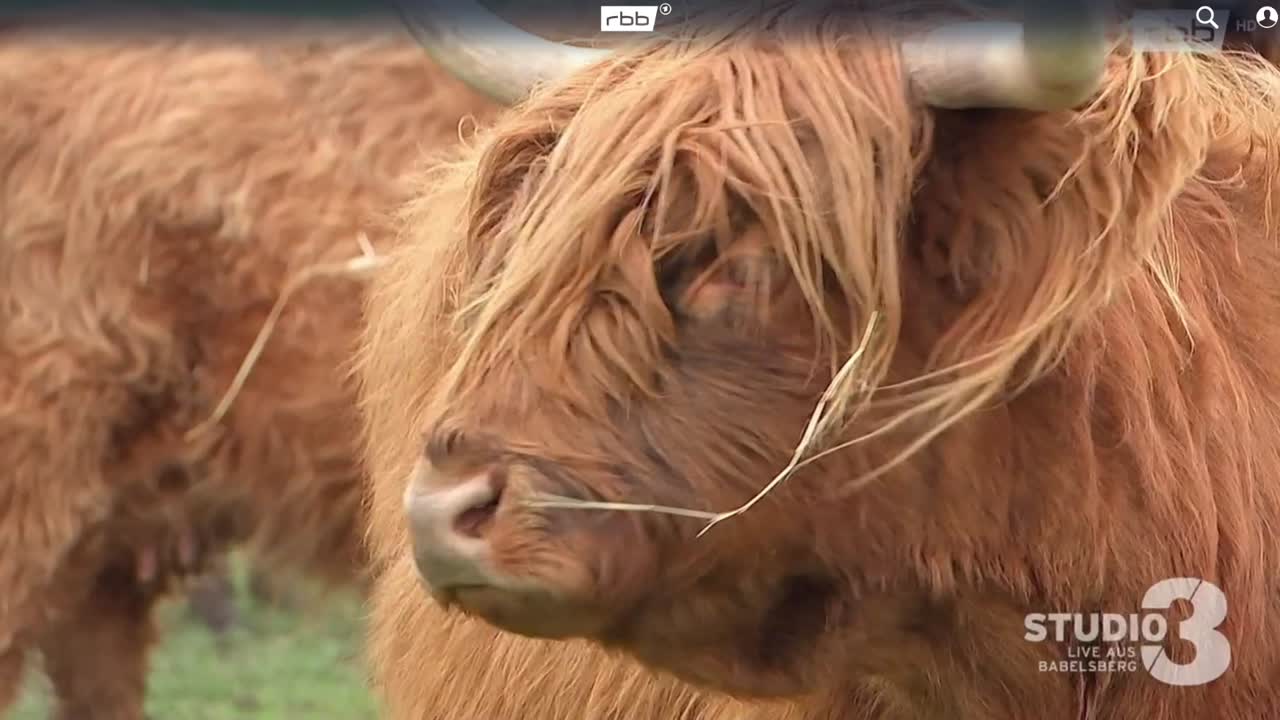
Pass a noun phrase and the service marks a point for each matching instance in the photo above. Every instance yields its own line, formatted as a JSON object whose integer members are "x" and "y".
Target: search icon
{"x": 1204, "y": 16}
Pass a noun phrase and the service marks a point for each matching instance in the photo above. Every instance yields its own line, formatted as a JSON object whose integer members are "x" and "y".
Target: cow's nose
{"x": 447, "y": 526}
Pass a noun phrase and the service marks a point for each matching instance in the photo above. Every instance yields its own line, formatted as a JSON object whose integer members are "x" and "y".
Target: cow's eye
{"x": 678, "y": 270}
{"x": 739, "y": 282}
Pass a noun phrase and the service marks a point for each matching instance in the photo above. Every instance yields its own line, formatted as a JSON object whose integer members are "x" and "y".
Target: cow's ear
{"x": 741, "y": 282}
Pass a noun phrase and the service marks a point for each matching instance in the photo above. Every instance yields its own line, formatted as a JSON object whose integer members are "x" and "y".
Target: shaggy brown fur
{"x": 430, "y": 666}
{"x": 634, "y": 288}
{"x": 155, "y": 194}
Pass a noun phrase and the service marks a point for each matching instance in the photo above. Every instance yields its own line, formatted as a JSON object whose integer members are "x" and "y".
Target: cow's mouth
{"x": 480, "y": 549}
{"x": 768, "y": 651}
{"x": 530, "y": 612}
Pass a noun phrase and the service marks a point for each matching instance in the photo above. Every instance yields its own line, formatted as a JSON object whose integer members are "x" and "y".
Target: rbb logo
{"x": 631, "y": 18}
{"x": 1178, "y": 30}
{"x": 627, "y": 20}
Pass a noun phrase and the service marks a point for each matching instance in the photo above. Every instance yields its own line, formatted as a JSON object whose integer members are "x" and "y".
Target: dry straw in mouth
{"x": 819, "y": 421}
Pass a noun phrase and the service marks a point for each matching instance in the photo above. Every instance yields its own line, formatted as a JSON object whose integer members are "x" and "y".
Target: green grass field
{"x": 273, "y": 665}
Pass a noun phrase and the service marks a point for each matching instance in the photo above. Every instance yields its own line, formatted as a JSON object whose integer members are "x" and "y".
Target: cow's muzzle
{"x": 455, "y": 526}
{"x": 447, "y": 526}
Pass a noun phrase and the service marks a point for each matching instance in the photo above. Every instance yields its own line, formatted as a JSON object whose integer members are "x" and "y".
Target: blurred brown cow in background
{"x": 158, "y": 191}
{"x": 1045, "y": 266}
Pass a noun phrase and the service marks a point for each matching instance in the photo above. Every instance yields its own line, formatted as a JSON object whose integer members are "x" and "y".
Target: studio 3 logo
{"x": 631, "y": 18}
{"x": 1114, "y": 642}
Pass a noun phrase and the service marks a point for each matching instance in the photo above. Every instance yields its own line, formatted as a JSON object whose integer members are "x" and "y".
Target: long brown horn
{"x": 1055, "y": 61}
{"x": 487, "y": 52}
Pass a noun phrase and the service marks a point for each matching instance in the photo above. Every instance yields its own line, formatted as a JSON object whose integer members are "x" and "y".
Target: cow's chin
{"x": 761, "y": 639}
{"x": 765, "y": 646}
{"x": 535, "y": 613}
{"x": 549, "y": 580}
{"x": 543, "y": 605}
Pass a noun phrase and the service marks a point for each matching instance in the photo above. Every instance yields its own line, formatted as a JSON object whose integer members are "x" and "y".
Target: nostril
{"x": 475, "y": 521}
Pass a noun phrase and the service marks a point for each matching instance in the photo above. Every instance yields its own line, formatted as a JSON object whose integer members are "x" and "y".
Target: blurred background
{"x": 242, "y": 648}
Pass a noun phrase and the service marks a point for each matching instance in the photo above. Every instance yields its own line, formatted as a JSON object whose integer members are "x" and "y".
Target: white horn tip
{"x": 992, "y": 64}
{"x": 487, "y": 52}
